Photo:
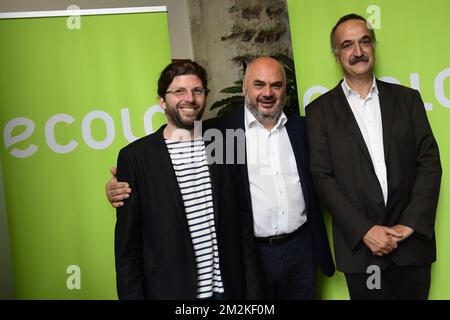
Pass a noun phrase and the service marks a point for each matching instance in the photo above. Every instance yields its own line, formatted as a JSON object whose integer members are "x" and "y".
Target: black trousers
{"x": 288, "y": 270}
{"x": 396, "y": 283}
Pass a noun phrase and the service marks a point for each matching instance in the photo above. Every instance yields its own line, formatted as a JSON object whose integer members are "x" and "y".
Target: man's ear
{"x": 162, "y": 103}
{"x": 243, "y": 87}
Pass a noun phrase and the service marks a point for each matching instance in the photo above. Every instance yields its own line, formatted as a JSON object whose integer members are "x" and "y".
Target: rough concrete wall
{"x": 226, "y": 33}
{"x": 256, "y": 28}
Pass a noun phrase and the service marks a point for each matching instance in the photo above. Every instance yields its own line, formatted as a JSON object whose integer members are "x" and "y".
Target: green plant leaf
{"x": 227, "y": 101}
{"x": 236, "y": 89}
{"x": 286, "y": 61}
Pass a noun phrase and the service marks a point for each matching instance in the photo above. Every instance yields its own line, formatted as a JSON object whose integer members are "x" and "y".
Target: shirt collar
{"x": 250, "y": 121}
{"x": 349, "y": 91}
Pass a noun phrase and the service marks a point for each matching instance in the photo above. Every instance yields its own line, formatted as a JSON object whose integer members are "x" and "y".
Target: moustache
{"x": 355, "y": 60}
{"x": 266, "y": 99}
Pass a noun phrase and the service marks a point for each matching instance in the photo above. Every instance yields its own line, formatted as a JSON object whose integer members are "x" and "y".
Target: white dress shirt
{"x": 367, "y": 113}
{"x": 277, "y": 198}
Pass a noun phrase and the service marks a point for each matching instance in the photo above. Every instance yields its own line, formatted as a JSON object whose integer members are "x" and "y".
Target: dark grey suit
{"x": 344, "y": 176}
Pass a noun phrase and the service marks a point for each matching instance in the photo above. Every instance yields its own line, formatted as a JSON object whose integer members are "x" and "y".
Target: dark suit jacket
{"x": 345, "y": 179}
{"x": 153, "y": 247}
{"x": 296, "y": 129}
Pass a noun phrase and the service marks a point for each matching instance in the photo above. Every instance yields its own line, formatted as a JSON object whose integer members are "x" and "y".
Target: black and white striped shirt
{"x": 192, "y": 172}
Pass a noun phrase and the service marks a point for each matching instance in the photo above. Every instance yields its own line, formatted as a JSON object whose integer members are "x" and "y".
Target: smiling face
{"x": 264, "y": 88}
{"x": 355, "y": 50}
{"x": 182, "y": 111}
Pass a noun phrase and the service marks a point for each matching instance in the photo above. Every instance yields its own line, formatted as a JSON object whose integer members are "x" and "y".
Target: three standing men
{"x": 374, "y": 162}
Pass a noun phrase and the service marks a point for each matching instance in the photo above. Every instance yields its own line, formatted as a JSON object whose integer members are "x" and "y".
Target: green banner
{"x": 73, "y": 91}
{"x": 413, "y": 50}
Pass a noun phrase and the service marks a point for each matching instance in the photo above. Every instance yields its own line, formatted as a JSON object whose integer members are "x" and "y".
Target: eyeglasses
{"x": 181, "y": 92}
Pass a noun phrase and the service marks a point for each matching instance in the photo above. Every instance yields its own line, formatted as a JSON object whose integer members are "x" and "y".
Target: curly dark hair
{"x": 180, "y": 68}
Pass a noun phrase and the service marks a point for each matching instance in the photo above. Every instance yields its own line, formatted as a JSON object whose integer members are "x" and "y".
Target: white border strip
{"x": 82, "y": 12}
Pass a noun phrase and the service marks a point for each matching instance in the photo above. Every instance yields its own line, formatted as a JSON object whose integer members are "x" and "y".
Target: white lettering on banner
{"x": 414, "y": 79}
{"x": 50, "y": 134}
{"x": 415, "y": 84}
{"x": 439, "y": 87}
{"x": 312, "y": 91}
{"x": 10, "y": 139}
{"x": 148, "y": 116}
{"x": 86, "y": 129}
{"x": 390, "y": 80}
{"x": 126, "y": 125}
{"x": 87, "y": 134}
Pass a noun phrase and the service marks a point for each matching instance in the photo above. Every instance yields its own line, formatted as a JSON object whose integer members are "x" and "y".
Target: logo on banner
{"x": 11, "y": 139}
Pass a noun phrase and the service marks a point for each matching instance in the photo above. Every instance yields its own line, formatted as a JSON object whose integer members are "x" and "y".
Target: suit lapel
{"x": 167, "y": 171}
{"x": 215, "y": 185}
{"x": 342, "y": 108}
{"x": 300, "y": 152}
{"x": 235, "y": 120}
{"x": 387, "y": 105}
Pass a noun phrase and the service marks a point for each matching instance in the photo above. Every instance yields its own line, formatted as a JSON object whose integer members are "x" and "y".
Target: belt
{"x": 279, "y": 239}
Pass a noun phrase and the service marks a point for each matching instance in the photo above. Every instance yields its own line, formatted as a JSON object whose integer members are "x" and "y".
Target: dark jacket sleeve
{"x": 346, "y": 217}
{"x": 320, "y": 239}
{"x": 128, "y": 238}
{"x": 420, "y": 213}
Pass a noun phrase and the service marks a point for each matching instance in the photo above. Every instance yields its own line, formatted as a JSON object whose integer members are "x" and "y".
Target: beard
{"x": 264, "y": 118}
{"x": 173, "y": 113}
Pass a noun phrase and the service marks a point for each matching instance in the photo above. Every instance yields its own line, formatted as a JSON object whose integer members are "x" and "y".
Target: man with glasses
{"x": 375, "y": 164}
{"x": 181, "y": 235}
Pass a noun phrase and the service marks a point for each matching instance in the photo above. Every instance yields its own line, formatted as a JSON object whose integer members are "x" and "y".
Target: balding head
{"x": 264, "y": 64}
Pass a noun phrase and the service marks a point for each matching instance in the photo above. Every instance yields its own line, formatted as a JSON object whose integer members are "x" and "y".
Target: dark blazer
{"x": 345, "y": 179}
{"x": 296, "y": 129}
{"x": 153, "y": 247}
